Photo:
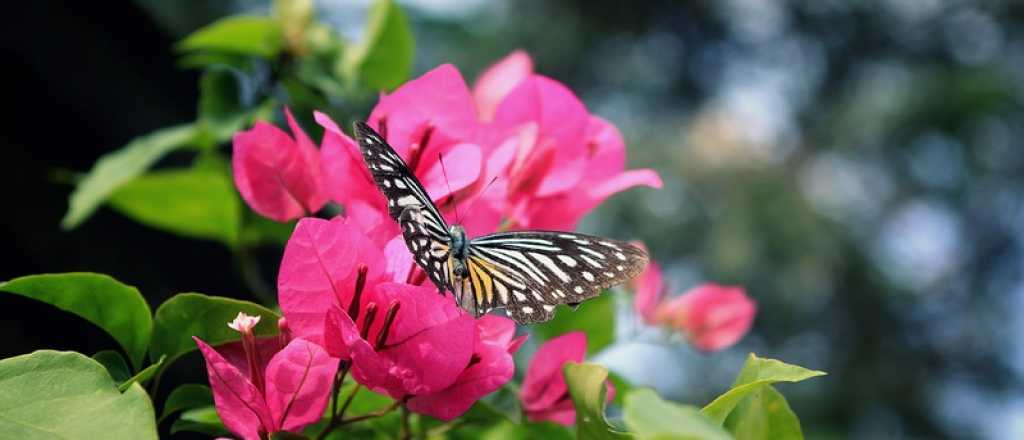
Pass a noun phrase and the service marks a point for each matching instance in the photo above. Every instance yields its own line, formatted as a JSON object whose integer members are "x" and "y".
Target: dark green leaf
{"x": 595, "y": 317}
{"x": 117, "y": 308}
{"x": 187, "y": 396}
{"x": 51, "y": 394}
{"x": 221, "y": 111}
{"x": 383, "y": 59}
{"x": 248, "y": 35}
{"x": 648, "y": 416}
{"x": 755, "y": 373}
{"x": 192, "y": 203}
{"x": 285, "y": 435}
{"x": 202, "y": 420}
{"x": 143, "y": 376}
{"x": 115, "y": 365}
{"x": 194, "y": 314}
{"x": 117, "y": 168}
{"x": 587, "y": 387}
{"x": 764, "y": 415}
{"x": 622, "y": 387}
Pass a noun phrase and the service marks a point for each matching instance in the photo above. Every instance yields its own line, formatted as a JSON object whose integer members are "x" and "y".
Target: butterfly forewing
{"x": 531, "y": 272}
{"x": 424, "y": 230}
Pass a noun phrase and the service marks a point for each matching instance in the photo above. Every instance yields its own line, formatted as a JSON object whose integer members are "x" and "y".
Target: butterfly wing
{"x": 423, "y": 227}
{"x": 530, "y": 272}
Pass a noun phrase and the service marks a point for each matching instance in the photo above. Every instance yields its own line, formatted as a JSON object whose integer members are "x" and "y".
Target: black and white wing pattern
{"x": 530, "y": 272}
{"x": 423, "y": 227}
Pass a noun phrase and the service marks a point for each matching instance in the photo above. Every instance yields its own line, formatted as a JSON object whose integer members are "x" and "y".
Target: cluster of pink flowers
{"x": 520, "y": 150}
{"x": 711, "y": 316}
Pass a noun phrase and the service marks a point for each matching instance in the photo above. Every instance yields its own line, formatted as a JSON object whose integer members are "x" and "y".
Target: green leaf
{"x": 115, "y": 307}
{"x": 285, "y": 435}
{"x": 247, "y": 35}
{"x": 203, "y": 420}
{"x": 649, "y": 416}
{"x": 52, "y": 394}
{"x": 143, "y": 376}
{"x": 755, "y": 373}
{"x": 586, "y": 383}
{"x": 383, "y": 59}
{"x": 187, "y": 396}
{"x": 117, "y": 168}
{"x": 622, "y": 387}
{"x": 206, "y": 317}
{"x": 595, "y": 317}
{"x": 189, "y": 202}
{"x": 764, "y": 415}
{"x": 504, "y": 403}
{"x": 115, "y": 365}
{"x": 221, "y": 111}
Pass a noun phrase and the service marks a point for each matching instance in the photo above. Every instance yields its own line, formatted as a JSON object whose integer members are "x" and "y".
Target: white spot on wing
{"x": 588, "y": 276}
{"x": 567, "y": 260}
{"x": 551, "y": 266}
{"x": 578, "y": 289}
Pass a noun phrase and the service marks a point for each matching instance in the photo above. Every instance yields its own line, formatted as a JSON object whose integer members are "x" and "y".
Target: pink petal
{"x": 561, "y": 119}
{"x": 299, "y": 382}
{"x": 623, "y": 181}
{"x": 563, "y": 413}
{"x": 498, "y": 80}
{"x": 438, "y": 99}
{"x": 544, "y": 383}
{"x": 494, "y": 369}
{"x": 319, "y": 265}
{"x": 234, "y": 353}
{"x": 399, "y": 259}
{"x": 277, "y": 176}
{"x": 649, "y": 289}
{"x": 463, "y": 164}
{"x": 497, "y": 330}
{"x": 345, "y": 174}
{"x": 239, "y": 404}
{"x": 713, "y": 316}
{"x": 431, "y": 340}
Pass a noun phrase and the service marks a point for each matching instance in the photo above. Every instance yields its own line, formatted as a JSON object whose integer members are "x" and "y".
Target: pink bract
{"x": 498, "y": 80}
{"x": 490, "y": 367}
{"x": 278, "y": 176}
{"x": 649, "y": 289}
{"x": 320, "y": 270}
{"x": 298, "y": 383}
{"x": 712, "y": 316}
{"x": 544, "y": 393}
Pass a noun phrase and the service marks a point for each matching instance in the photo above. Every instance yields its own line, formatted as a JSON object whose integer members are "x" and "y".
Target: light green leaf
{"x": 649, "y": 416}
{"x": 203, "y": 420}
{"x": 61, "y": 395}
{"x": 206, "y": 317}
{"x": 764, "y": 415}
{"x": 187, "y": 396}
{"x": 117, "y": 168}
{"x": 755, "y": 373}
{"x": 143, "y": 376}
{"x": 115, "y": 365}
{"x": 383, "y": 59}
{"x": 595, "y": 317}
{"x": 115, "y": 307}
{"x": 248, "y": 35}
{"x": 622, "y": 387}
{"x": 587, "y": 387}
{"x": 189, "y": 202}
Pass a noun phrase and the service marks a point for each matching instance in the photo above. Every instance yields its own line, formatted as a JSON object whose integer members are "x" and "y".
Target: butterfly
{"x": 527, "y": 272}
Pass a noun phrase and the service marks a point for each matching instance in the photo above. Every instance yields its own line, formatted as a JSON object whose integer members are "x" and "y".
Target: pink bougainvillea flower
{"x": 430, "y": 121}
{"x": 498, "y": 80}
{"x": 268, "y": 388}
{"x": 278, "y": 176}
{"x": 712, "y": 316}
{"x": 490, "y": 367}
{"x": 404, "y": 341}
{"x": 649, "y": 289}
{"x": 544, "y": 393}
{"x": 326, "y": 263}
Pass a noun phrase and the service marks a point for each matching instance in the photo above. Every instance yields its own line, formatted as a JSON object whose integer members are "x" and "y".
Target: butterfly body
{"x": 527, "y": 272}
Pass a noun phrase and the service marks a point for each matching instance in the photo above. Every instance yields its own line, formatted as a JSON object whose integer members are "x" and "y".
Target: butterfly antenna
{"x": 451, "y": 195}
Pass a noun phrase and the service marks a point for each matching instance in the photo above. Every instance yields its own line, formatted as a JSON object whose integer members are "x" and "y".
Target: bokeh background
{"x": 857, "y": 165}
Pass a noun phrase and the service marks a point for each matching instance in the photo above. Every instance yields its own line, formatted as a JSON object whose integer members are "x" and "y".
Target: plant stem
{"x": 372, "y": 415}
{"x": 406, "y": 430}
{"x": 339, "y": 379}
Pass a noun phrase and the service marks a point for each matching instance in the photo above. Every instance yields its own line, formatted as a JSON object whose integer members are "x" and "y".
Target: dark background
{"x": 856, "y": 165}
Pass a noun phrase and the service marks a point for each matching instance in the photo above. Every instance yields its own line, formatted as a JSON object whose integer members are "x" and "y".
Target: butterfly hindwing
{"x": 537, "y": 270}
